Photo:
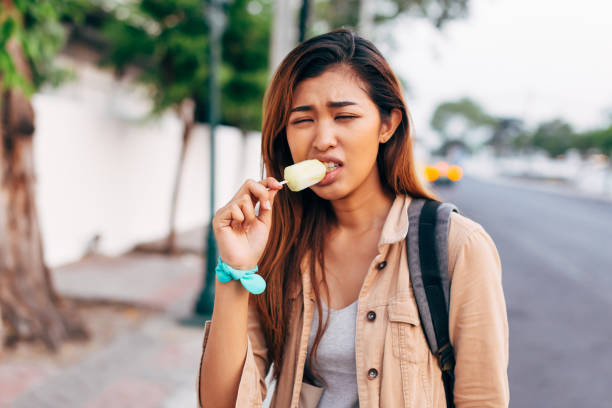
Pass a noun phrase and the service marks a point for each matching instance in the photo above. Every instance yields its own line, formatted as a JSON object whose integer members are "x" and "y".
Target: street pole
{"x": 304, "y": 19}
{"x": 216, "y": 21}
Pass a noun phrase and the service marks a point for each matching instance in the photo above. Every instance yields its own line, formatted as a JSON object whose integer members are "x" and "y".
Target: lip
{"x": 329, "y": 159}
{"x": 330, "y": 177}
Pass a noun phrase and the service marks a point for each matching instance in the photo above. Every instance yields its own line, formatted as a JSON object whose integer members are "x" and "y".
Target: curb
{"x": 542, "y": 188}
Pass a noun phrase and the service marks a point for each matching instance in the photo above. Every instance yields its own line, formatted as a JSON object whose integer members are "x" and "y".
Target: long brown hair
{"x": 300, "y": 220}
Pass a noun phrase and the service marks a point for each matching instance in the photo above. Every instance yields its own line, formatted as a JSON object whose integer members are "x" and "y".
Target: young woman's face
{"x": 334, "y": 120}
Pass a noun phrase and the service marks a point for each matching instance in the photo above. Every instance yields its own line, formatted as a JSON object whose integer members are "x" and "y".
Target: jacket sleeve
{"x": 478, "y": 324}
{"x": 252, "y": 386}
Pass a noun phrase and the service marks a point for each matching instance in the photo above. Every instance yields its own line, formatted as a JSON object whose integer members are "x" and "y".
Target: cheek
{"x": 366, "y": 151}
{"x": 296, "y": 146}
{"x": 368, "y": 155}
{"x": 361, "y": 159}
{"x": 364, "y": 144}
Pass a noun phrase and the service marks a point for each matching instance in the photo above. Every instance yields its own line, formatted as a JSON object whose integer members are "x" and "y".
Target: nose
{"x": 325, "y": 136}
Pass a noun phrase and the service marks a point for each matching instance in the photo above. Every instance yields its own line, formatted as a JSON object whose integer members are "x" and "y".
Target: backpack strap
{"x": 427, "y": 250}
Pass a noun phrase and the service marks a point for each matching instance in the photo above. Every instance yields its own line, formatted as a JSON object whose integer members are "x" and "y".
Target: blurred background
{"x": 126, "y": 123}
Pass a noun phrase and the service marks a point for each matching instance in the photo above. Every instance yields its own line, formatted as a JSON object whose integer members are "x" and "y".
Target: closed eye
{"x": 300, "y": 121}
{"x": 343, "y": 117}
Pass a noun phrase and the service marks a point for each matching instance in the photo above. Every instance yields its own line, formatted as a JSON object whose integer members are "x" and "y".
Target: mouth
{"x": 331, "y": 166}
{"x": 333, "y": 170}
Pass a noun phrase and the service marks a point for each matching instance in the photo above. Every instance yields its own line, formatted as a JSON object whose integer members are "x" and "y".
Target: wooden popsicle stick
{"x": 282, "y": 183}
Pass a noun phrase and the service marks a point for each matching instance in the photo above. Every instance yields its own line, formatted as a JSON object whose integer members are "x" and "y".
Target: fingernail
{"x": 267, "y": 205}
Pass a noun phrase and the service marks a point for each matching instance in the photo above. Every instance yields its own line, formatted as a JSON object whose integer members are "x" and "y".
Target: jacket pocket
{"x": 408, "y": 340}
{"x": 310, "y": 395}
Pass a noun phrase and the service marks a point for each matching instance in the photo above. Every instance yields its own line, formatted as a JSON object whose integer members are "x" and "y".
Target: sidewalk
{"x": 140, "y": 355}
{"x": 549, "y": 187}
{"x": 591, "y": 183}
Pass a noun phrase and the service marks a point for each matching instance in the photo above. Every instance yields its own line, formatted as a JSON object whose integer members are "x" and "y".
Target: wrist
{"x": 240, "y": 266}
{"x": 244, "y": 267}
{"x": 249, "y": 278}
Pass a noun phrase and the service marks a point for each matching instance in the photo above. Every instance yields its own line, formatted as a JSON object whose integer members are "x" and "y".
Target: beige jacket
{"x": 395, "y": 367}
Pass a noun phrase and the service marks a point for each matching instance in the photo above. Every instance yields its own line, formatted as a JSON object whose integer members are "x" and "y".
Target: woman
{"x": 338, "y": 317}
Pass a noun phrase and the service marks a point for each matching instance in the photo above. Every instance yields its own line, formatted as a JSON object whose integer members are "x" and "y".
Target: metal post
{"x": 216, "y": 21}
{"x": 304, "y": 19}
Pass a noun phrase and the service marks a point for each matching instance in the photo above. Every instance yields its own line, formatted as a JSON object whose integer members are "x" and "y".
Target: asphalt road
{"x": 556, "y": 254}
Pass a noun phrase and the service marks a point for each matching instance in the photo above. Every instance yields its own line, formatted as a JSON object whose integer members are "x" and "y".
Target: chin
{"x": 331, "y": 192}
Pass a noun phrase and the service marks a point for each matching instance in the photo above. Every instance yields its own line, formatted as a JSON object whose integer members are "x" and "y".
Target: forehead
{"x": 339, "y": 83}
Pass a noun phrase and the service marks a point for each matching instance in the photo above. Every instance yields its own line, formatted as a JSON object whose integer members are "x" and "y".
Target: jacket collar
{"x": 395, "y": 227}
{"x": 394, "y": 230}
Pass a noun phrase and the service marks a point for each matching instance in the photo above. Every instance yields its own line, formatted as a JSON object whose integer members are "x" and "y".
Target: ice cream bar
{"x": 304, "y": 174}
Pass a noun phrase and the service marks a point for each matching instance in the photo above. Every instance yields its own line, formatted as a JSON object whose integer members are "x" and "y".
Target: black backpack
{"x": 427, "y": 253}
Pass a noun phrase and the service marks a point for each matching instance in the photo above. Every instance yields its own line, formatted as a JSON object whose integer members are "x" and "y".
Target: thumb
{"x": 265, "y": 209}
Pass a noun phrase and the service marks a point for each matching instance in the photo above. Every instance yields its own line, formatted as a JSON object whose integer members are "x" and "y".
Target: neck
{"x": 362, "y": 211}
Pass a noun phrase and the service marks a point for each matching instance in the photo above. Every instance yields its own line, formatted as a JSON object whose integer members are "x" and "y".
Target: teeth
{"x": 331, "y": 166}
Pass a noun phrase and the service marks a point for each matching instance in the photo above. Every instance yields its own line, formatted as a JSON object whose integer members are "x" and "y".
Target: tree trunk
{"x": 187, "y": 114}
{"x": 284, "y": 31}
{"x": 30, "y": 307}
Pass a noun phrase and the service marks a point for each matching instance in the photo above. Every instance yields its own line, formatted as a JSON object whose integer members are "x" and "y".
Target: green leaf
{"x": 21, "y": 5}
{"x": 6, "y": 30}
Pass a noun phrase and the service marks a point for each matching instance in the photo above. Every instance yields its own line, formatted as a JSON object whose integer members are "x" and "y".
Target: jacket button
{"x": 381, "y": 265}
{"x": 372, "y": 373}
{"x": 371, "y": 315}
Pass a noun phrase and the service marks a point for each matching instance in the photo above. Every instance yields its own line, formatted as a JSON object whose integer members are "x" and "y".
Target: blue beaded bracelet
{"x": 249, "y": 279}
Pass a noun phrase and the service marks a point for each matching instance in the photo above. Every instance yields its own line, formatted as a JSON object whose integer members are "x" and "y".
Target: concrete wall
{"x": 105, "y": 168}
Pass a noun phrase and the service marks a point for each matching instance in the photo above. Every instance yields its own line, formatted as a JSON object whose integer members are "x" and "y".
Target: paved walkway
{"x": 150, "y": 363}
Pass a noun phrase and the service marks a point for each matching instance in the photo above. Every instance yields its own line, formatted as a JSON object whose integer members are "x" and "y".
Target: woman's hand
{"x": 241, "y": 235}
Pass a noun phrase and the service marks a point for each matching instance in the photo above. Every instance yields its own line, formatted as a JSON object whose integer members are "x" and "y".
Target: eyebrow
{"x": 338, "y": 104}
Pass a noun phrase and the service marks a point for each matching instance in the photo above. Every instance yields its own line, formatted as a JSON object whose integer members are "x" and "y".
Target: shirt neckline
{"x": 335, "y": 311}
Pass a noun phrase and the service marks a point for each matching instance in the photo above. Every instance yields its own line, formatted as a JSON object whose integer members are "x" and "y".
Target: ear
{"x": 388, "y": 127}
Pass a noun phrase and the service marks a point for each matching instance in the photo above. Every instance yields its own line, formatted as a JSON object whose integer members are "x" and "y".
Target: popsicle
{"x": 304, "y": 174}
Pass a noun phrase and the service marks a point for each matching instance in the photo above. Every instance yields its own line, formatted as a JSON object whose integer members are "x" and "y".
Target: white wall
{"x": 104, "y": 168}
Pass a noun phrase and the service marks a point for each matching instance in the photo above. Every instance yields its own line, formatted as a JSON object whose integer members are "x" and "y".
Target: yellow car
{"x": 443, "y": 173}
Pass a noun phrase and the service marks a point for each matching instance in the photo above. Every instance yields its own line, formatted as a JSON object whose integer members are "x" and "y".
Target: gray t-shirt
{"x": 336, "y": 357}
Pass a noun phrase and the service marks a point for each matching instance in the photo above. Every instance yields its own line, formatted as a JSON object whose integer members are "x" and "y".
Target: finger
{"x": 273, "y": 194}
{"x": 256, "y": 190}
{"x": 247, "y": 208}
{"x": 273, "y": 186}
{"x": 265, "y": 211}
{"x": 260, "y": 192}
{"x": 271, "y": 183}
{"x": 236, "y": 216}
{"x": 228, "y": 216}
